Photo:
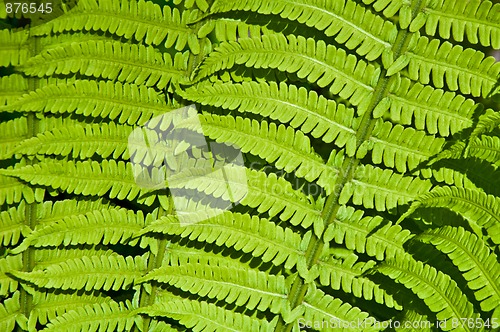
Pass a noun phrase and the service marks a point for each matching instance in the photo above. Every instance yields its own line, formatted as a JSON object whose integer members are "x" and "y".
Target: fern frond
{"x": 11, "y": 133}
{"x": 46, "y": 256}
{"x": 371, "y": 235}
{"x": 267, "y": 193}
{"x": 143, "y": 20}
{"x": 9, "y": 263}
{"x": 14, "y": 50}
{"x": 477, "y": 20}
{"x": 250, "y": 234}
{"x": 488, "y": 122}
{"x": 485, "y": 148}
{"x": 10, "y": 314}
{"x": 402, "y": 148}
{"x": 204, "y": 316}
{"x": 329, "y": 314}
{"x": 107, "y": 316}
{"x": 464, "y": 70}
{"x": 312, "y": 113}
{"x": 474, "y": 205}
{"x": 85, "y": 178}
{"x": 426, "y": 108}
{"x": 50, "y": 211}
{"x": 243, "y": 287}
{"x": 122, "y": 102}
{"x": 97, "y": 227}
{"x": 347, "y": 274}
{"x": 90, "y": 273}
{"x": 113, "y": 60}
{"x": 291, "y": 152}
{"x": 382, "y": 189}
{"x": 321, "y": 64}
{"x": 351, "y": 24}
{"x": 13, "y": 191}
{"x": 12, "y": 226}
{"x": 388, "y": 7}
{"x": 11, "y": 88}
{"x": 226, "y": 29}
{"x": 439, "y": 292}
{"x": 479, "y": 266}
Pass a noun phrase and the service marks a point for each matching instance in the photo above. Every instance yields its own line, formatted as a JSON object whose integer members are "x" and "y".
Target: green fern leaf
{"x": 9, "y": 263}
{"x": 48, "y": 306}
{"x": 10, "y": 314}
{"x": 97, "y": 227}
{"x": 370, "y": 235}
{"x": 128, "y": 63}
{"x": 476, "y": 206}
{"x": 87, "y": 178}
{"x": 142, "y": 20}
{"x": 439, "y": 292}
{"x": 402, "y": 148}
{"x": 382, "y": 189}
{"x": 111, "y": 316}
{"x": 11, "y": 133}
{"x": 315, "y": 61}
{"x": 243, "y": 287}
{"x": 291, "y": 151}
{"x": 124, "y": 103}
{"x": 347, "y": 275}
{"x": 477, "y": 20}
{"x": 433, "y": 110}
{"x": 303, "y": 109}
{"x": 350, "y": 23}
{"x": 46, "y": 256}
{"x": 254, "y": 235}
{"x": 14, "y": 50}
{"x": 485, "y": 148}
{"x": 12, "y": 87}
{"x": 488, "y": 122}
{"x": 13, "y": 191}
{"x": 464, "y": 70}
{"x": 12, "y": 226}
{"x": 473, "y": 258}
{"x": 204, "y": 316}
{"x": 89, "y": 273}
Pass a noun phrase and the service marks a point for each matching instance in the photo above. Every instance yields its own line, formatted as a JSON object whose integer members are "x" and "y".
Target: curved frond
{"x": 426, "y": 108}
{"x": 315, "y": 61}
{"x": 439, "y": 292}
{"x": 474, "y": 205}
{"x": 485, "y": 148}
{"x": 11, "y": 133}
{"x": 303, "y": 109}
{"x": 370, "y": 235}
{"x": 382, "y": 189}
{"x": 122, "y": 102}
{"x": 347, "y": 275}
{"x": 465, "y": 70}
{"x": 402, "y": 148}
{"x": 97, "y": 227}
{"x": 14, "y": 50}
{"x": 13, "y": 191}
{"x": 250, "y": 234}
{"x": 46, "y": 256}
{"x": 351, "y": 24}
{"x": 143, "y": 20}
{"x": 488, "y": 122}
{"x": 89, "y": 272}
{"x": 292, "y": 150}
{"x": 106, "y": 317}
{"x": 478, "y": 20}
{"x": 251, "y": 288}
{"x": 204, "y": 316}
{"x": 113, "y": 60}
{"x": 479, "y": 266}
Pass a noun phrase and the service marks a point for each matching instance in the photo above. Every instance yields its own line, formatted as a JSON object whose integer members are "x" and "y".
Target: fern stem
{"x": 346, "y": 173}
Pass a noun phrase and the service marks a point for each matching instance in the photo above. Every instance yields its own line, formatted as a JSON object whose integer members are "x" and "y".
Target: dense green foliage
{"x": 369, "y": 191}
